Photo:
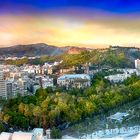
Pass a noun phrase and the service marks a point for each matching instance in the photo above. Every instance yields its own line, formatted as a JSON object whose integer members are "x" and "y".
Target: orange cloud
{"x": 62, "y": 31}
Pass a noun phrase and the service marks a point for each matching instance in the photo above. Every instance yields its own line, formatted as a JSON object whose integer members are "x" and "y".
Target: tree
{"x": 21, "y": 107}
{"x": 56, "y": 133}
{"x": 1, "y": 128}
{"x": 100, "y": 86}
{"x": 41, "y": 94}
{"x": 44, "y": 108}
{"x": 54, "y": 116}
{"x": 36, "y": 113}
{"x": 6, "y": 118}
{"x": 27, "y": 111}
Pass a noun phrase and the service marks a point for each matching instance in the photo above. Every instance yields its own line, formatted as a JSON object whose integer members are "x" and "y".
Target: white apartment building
{"x": 3, "y": 89}
{"x": 74, "y": 81}
{"x": 117, "y": 77}
{"x": 137, "y": 64}
{"x": 44, "y": 81}
{"x": 15, "y": 86}
{"x": 22, "y": 86}
{"x": 9, "y": 87}
{"x": 47, "y": 82}
{"x": 1, "y": 75}
{"x": 128, "y": 70}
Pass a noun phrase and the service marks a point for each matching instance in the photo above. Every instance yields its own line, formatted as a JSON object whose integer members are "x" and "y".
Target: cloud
{"x": 91, "y": 30}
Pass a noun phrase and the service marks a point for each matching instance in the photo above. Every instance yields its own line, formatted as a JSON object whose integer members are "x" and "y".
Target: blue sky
{"x": 117, "y": 6}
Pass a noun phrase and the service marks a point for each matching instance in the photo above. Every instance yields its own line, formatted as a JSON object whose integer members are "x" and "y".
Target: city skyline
{"x": 82, "y": 23}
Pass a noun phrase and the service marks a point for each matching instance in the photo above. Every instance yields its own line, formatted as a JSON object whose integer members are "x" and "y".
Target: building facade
{"x": 137, "y": 64}
{"x": 3, "y": 89}
{"x": 79, "y": 81}
{"x": 117, "y": 77}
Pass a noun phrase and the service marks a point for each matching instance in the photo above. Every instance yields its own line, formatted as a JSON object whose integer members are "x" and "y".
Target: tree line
{"x": 50, "y": 108}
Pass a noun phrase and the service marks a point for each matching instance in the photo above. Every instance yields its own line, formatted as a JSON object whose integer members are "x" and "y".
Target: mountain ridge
{"x": 39, "y": 49}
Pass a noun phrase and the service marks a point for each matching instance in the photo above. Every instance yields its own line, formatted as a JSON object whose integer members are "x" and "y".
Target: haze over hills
{"x": 39, "y": 49}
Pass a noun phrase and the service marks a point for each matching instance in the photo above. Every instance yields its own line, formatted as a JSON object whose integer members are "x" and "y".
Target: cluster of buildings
{"x": 17, "y": 58}
{"x": 27, "y": 79}
{"x": 24, "y": 80}
{"x": 125, "y": 73}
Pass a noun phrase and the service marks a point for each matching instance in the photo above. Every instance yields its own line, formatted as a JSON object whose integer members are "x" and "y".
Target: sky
{"x": 84, "y": 23}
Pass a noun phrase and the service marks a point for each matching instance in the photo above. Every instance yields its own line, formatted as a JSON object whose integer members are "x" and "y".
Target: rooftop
{"x": 118, "y": 116}
{"x": 74, "y": 76}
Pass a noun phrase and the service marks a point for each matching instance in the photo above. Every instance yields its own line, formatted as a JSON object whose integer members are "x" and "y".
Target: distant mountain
{"x": 31, "y": 50}
{"x": 38, "y": 49}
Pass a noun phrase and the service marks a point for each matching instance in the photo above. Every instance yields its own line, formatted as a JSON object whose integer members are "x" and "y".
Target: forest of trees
{"x": 51, "y": 108}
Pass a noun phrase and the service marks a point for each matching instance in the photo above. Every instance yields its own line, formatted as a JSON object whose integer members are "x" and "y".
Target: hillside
{"x": 120, "y": 57}
{"x": 75, "y": 50}
{"x": 31, "y": 50}
{"x": 38, "y": 49}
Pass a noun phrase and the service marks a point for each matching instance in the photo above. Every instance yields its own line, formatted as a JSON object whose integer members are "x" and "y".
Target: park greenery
{"x": 50, "y": 108}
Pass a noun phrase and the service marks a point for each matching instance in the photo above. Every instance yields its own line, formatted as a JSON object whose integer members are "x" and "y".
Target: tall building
{"x": 9, "y": 88}
{"x": 3, "y": 87}
{"x": 1, "y": 75}
{"x": 137, "y": 64}
{"x": 44, "y": 81}
{"x": 22, "y": 85}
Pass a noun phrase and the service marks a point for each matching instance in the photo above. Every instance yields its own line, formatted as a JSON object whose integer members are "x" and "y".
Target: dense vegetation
{"x": 107, "y": 57}
{"x": 51, "y": 108}
{"x": 1, "y": 128}
{"x": 111, "y": 58}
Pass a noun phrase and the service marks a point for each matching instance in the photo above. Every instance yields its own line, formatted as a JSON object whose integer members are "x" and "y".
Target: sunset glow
{"x": 65, "y": 26}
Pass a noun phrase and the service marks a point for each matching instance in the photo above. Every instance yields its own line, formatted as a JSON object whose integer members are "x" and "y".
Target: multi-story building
{"x": 67, "y": 70}
{"x": 44, "y": 81}
{"x": 9, "y": 87}
{"x": 3, "y": 89}
{"x": 47, "y": 82}
{"x": 50, "y": 70}
{"x": 137, "y": 64}
{"x": 74, "y": 81}
{"x": 22, "y": 85}
{"x": 118, "y": 77}
{"x": 35, "y": 88}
